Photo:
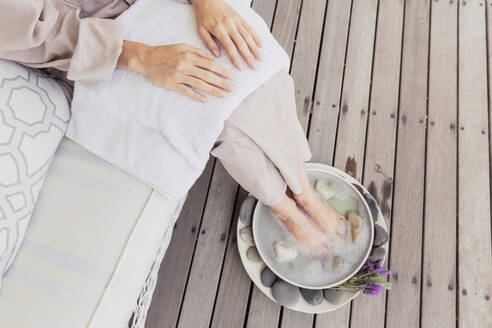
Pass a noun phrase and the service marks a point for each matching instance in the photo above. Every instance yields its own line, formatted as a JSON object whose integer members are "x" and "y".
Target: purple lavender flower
{"x": 379, "y": 269}
{"x": 371, "y": 288}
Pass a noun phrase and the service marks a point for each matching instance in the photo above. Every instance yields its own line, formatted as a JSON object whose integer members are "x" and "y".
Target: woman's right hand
{"x": 177, "y": 67}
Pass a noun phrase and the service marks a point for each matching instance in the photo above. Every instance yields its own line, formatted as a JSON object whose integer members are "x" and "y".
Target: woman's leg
{"x": 250, "y": 167}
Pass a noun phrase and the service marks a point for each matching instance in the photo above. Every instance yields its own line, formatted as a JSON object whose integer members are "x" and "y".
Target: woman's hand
{"x": 177, "y": 67}
{"x": 215, "y": 18}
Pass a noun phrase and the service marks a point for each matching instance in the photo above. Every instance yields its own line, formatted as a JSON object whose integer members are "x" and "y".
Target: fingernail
{"x": 230, "y": 86}
{"x": 216, "y": 52}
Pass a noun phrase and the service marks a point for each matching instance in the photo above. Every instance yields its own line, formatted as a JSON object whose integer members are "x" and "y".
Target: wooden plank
{"x": 379, "y": 160}
{"x": 266, "y": 9}
{"x": 294, "y": 319}
{"x": 205, "y": 271}
{"x": 303, "y": 71}
{"x": 352, "y": 124}
{"x": 173, "y": 273}
{"x": 233, "y": 294}
{"x": 323, "y": 127}
{"x": 325, "y": 114}
{"x": 474, "y": 239}
{"x": 263, "y": 312}
{"x": 439, "y": 262}
{"x": 305, "y": 59}
{"x": 234, "y": 288}
{"x": 403, "y": 304}
{"x": 356, "y": 87}
{"x": 285, "y": 23}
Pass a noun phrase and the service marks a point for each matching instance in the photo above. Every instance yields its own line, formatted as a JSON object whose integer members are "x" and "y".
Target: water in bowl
{"x": 308, "y": 270}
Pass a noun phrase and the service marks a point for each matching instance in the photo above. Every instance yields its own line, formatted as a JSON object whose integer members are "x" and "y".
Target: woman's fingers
{"x": 230, "y": 48}
{"x": 189, "y": 92}
{"x": 209, "y": 41}
{"x": 251, "y": 31}
{"x": 243, "y": 48}
{"x": 211, "y": 78}
{"x": 213, "y": 67}
{"x": 253, "y": 47}
{"x": 203, "y": 86}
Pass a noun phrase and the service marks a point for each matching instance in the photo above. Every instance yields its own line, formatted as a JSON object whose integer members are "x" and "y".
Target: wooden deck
{"x": 398, "y": 94}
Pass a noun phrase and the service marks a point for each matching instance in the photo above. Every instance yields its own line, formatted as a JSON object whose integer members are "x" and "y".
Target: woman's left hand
{"x": 215, "y": 18}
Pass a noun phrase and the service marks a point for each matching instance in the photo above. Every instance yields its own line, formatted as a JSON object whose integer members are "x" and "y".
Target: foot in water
{"x": 300, "y": 228}
{"x": 325, "y": 216}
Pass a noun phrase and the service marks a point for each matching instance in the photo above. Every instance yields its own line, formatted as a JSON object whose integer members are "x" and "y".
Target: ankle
{"x": 304, "y": 199}
{"x": 285, "y": 209}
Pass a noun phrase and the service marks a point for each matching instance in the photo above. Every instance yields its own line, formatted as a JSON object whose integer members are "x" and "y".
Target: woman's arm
{"x": 46, "y": 33}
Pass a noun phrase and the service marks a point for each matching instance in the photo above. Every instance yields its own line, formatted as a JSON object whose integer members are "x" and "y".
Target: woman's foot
{"x": 325, "y": 216}
{"x": 299, "y": 226}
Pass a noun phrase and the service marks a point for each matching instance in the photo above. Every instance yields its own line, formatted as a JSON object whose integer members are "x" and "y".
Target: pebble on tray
{"x": 284, "y": 251}
{"x": 355, "y": 224}
{"x": 312, "y": 296}
{"x": 332, "y": 295}
{"x": 285, "y": 293}
{"x": 253, "y": 255}
{"x": 268, "y": 278}
{"x": 246, "y": 235}
{"x": 380, "y": 235}
{"x": 323, "y": 189}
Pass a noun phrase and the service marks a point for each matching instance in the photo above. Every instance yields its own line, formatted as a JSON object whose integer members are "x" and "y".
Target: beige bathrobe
{"x": 262, "y": 145}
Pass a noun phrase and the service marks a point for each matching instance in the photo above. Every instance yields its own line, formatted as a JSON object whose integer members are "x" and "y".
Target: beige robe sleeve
{"x": 49, "y": 33}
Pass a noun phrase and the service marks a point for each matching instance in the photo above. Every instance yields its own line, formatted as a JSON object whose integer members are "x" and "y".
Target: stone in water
{"x": 323, "y": 189}
{"x": 312, "y": 296}
{"x": 284, "y": 251}
{"x": 336, "y": 264}
{"x": 355, "y": 224}
{"x": 285, "y": 294}
{"x": 247, "y": 236}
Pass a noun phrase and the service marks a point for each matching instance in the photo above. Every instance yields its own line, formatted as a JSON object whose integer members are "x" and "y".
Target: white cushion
{"x": 34, "y": 115}
{"x": 92, "y": 239}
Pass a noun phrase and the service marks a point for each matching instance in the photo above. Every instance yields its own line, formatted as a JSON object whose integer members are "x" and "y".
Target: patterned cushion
{"x": 34, "y": 114}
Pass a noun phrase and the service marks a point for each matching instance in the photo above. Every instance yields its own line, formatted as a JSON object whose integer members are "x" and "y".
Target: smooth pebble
{"x": 373, "y": 207}
{"x": 377, "y": 253}
{"x": 284, "y": 293}
{"x": 246, "y": 235}
{"x": 268, "y": 277}
{"x": 323, "y": 190}
{"x": 380, "y": 235}
{"x": 312, "y": 296}
{"x": 247, "y": 209}
{"x": 355, "y": 224}
{"x": 253, "y": 255}
{"x": 284, "y": 251}
{"x": 336, "y": 263}
{"x": 332, "y": 295}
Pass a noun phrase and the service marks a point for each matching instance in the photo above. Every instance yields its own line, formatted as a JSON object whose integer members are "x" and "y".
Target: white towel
{"x": 159, "y": 136}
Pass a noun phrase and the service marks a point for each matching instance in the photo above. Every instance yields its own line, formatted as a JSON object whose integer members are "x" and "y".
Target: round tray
{"x": 254, "y": 267}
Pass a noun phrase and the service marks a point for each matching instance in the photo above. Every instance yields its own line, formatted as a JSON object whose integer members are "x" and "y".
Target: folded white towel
{"x": 159, "y": 136}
